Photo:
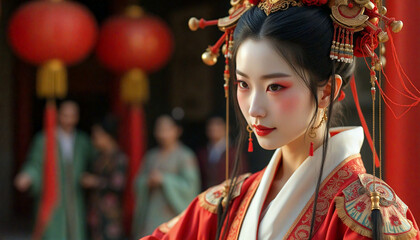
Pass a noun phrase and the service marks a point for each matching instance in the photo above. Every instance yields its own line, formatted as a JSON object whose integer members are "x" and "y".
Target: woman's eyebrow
{"x": 275, "y": 75}
{"x": 241, "y": 73}
{"x": 268, "y": 76}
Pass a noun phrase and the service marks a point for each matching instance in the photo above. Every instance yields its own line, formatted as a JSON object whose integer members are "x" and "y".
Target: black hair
{"x": 303, "y": 37}
{"x": 110, "y": 125}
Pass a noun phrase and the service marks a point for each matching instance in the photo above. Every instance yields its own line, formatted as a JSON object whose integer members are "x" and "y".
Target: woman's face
{"x": 100, "y": 138}
{"x": 273, "y": 99}
{"x": 166, "y": 131}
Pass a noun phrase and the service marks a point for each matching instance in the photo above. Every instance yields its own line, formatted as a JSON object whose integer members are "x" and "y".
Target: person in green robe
{"x": 68, "y": 221}
{"x": 169, "y": 179}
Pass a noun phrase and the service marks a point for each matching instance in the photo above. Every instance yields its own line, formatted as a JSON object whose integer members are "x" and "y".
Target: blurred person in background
{"x": 106, "y": 181}
{"x": 213, "y": 155}
{"x": 168, "y": 181}
{"x": 74, "y": 154}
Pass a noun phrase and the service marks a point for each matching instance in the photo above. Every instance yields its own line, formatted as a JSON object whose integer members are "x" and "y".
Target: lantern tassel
{"x": 52, "y": 80}
{"x": 134, "y": 87}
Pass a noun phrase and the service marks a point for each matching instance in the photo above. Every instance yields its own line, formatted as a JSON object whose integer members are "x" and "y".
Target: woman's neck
{"x": 170, "y": 147}
{"x": 297, "y": 151}
{"x": 293, "y": 155}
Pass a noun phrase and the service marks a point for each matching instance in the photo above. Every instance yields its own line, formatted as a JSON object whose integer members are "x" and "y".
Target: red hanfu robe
{"x": 333, "y": 220}
{"x": 343, "y": 210}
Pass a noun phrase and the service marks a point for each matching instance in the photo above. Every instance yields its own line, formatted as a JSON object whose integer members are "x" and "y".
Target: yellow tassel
{"x": 134, "y": 87}
{"x": 52, "y": 80}
{"x": 134, "y": 11}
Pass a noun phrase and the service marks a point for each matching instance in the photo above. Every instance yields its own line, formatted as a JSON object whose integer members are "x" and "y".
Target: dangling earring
{"x": 312, "y": 133}
{"x": 250, "y": 146}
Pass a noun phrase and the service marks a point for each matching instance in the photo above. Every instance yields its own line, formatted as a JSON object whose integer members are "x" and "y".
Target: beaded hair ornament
{"x": 360, "y": 26}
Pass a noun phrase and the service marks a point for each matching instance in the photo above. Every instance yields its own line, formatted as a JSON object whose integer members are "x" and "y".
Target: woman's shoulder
{"x": 185, "y": 150}
{"x": 203, "y": 211}
{"x": 151, "y": 152}
{"x": 353, "y": 205}
{"x": 210, "y": 198}
{"x": 82, "y": 136}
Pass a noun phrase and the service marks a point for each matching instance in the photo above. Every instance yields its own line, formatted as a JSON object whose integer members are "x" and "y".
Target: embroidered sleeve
{"x": 165, "y": 227}
{"x": 211, "y": 197}
{"x": 199, "y": 219}
{"x": 353, "y": 208}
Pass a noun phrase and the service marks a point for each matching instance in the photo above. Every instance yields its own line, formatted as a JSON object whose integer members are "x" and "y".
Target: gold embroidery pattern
{"x": 270, "y": 6}
{"x": 165, "y": 227}
{"x": 354, "y": 209}
{"x": 211, "y": 197}
{"x": 350, "y": 167}
{"x": 243, "y": 207}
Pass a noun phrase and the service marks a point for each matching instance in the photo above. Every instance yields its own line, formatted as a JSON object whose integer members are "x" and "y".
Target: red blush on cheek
{"x": 288, "y": 103}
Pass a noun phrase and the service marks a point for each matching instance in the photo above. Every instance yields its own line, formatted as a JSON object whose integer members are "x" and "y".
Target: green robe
{"x": 68, "y": 221}
{"x": 181, "y": 183}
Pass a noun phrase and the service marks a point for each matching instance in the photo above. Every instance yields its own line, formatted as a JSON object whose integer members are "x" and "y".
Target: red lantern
{"x": 134, "y": 44}
{"x": 51, "y": 33}
{"x": 134, "y": 41}
{"x": 43, "y": 30}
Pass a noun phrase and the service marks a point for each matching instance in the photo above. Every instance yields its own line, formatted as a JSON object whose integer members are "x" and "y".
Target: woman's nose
{"x": 257, "y": 106}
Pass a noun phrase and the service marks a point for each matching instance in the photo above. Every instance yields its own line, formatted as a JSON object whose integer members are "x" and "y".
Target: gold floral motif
{"x": 350, "y": 167}
{"x": 210, "y": 198}
{"x": 354, "y": 210}
{"x": 270, "y": 6}
{"x": 235, "y": 228}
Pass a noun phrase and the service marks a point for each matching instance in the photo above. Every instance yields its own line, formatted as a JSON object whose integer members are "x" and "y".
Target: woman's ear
{"x": 324, "y": 92}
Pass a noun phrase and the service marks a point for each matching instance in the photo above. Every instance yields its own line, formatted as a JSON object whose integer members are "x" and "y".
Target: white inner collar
{"x": 299, "y": 188}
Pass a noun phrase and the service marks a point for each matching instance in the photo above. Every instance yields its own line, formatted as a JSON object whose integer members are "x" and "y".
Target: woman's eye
{"x": 242, "y": 84}
{"x": 274, "y": 87}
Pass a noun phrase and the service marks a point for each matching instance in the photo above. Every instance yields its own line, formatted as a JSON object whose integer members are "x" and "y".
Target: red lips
{"x": 261, "y": 130}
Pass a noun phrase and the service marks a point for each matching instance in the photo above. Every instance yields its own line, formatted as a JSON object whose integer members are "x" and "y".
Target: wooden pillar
{"x": 402, "y": 136}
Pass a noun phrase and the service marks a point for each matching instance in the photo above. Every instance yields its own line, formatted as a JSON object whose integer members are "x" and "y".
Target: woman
{"x": 287, "y": 91}
{"x": 168, "y": 181}
{"x": 107, "y": 182}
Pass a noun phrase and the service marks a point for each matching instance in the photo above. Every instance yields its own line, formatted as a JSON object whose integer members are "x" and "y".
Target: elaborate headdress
{"x": 360, "y": 26}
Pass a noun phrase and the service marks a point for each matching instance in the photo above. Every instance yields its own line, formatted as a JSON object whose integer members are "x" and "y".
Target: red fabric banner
{"x": 136, "y": 151}
{"x": 50, "y": 185}
{"x": 402, "y": 136}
